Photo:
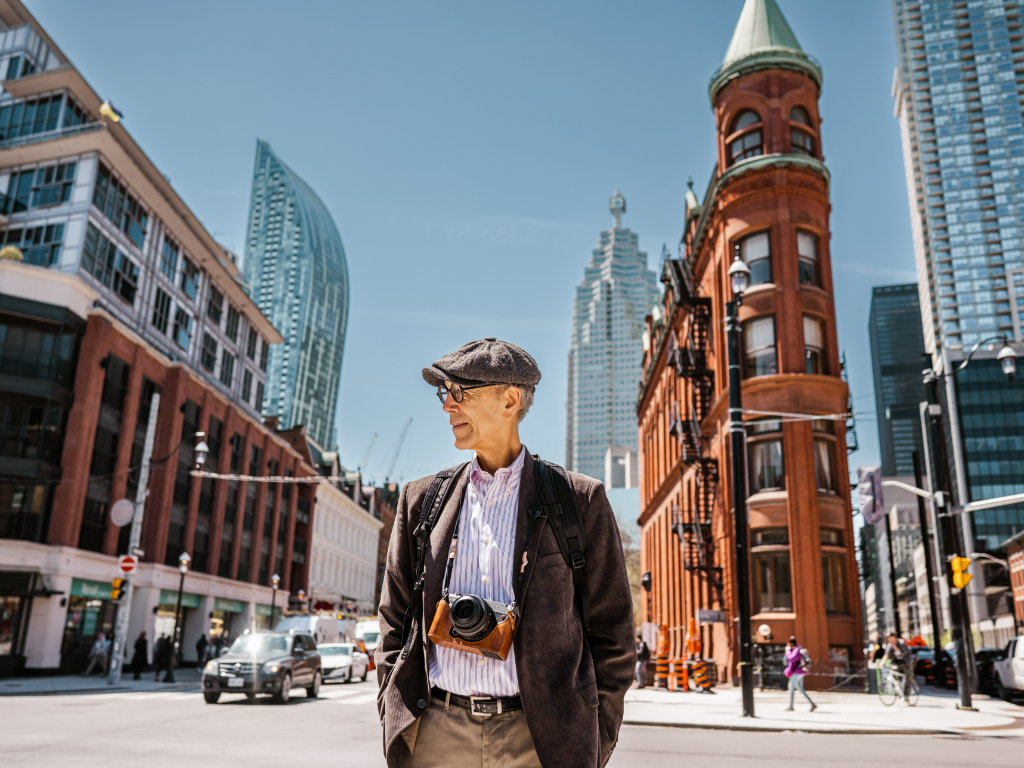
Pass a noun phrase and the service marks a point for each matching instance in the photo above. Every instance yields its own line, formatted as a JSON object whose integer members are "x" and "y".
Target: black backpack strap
{"x": 558, "y": 504}
{"x": 430, "y": 511}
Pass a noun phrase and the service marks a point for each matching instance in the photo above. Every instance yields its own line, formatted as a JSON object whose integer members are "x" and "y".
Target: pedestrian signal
{"x": 960, "y": 565}
{"x": 117, "y": 589}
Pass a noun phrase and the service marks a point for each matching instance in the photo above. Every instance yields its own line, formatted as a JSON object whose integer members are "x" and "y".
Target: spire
{"x": 763, "y": 39}
{"x": 617, "y": 205}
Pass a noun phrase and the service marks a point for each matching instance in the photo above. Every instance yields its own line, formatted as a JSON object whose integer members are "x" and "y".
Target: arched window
{"x": 801, "y": 139}
{"x": 749, "y": 143}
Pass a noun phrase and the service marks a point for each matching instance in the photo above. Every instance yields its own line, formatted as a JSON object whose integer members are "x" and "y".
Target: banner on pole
{"x": 869, "y": 494}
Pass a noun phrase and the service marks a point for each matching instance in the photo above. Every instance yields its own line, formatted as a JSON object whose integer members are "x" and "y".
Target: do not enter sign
{"x": 128, "y": 564}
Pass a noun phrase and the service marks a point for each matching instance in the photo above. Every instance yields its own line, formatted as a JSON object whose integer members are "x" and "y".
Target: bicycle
{"x": 894, "y": 685}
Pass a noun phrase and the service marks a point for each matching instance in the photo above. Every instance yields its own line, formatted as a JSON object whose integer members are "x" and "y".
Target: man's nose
{"x": 450, "y": 406}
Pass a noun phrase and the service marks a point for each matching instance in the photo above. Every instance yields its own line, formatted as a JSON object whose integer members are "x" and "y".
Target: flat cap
{"x": 487, "y": 360}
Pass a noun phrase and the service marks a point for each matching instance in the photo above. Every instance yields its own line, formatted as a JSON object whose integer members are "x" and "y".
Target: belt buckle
{"x": 484, "y": 701}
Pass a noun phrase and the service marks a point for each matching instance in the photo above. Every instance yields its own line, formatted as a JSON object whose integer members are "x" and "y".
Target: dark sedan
{"x": 265, "y": 663}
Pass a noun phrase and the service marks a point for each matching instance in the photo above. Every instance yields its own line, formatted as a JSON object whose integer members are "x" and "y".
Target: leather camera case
{"x": 496, "y": 645}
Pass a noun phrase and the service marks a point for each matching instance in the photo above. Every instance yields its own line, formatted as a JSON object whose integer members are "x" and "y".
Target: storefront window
{"x": 8, "y": 615}
{"x": 773, "y": 591}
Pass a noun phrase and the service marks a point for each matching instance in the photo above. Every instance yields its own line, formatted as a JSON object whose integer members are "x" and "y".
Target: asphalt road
{"x": 175, "y": 729}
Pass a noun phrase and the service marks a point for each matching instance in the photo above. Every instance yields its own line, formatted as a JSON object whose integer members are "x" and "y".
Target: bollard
{"x": 661, "y": 668}
{"x": 682, "y": 675}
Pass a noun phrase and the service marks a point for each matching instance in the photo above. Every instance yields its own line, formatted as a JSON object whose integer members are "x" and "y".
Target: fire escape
{"x": 690, "y": 362}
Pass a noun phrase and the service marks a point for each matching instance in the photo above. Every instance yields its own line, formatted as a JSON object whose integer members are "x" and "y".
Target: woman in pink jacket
{"x": 797, "y": 661}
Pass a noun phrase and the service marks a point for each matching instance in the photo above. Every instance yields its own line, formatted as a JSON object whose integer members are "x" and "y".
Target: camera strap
{"x": 557, "y": 503}
{"x": 430, "y": 511}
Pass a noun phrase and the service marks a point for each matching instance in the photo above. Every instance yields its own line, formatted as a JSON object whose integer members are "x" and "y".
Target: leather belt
{"x": 480, "y": 706}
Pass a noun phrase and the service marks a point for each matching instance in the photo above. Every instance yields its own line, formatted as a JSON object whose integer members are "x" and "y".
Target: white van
{"x": 368, "y": 631}
{"x": 324, "y": 629}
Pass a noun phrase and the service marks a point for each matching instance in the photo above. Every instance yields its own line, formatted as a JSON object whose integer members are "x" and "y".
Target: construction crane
{"x": 398, "y": 449}
{"x": 369, "y": 448}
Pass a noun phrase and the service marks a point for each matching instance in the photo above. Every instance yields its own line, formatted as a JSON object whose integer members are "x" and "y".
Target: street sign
{"x": 127, "y": 564}
{"x": 710, "y": 617}
{"x": 121, "y": 513}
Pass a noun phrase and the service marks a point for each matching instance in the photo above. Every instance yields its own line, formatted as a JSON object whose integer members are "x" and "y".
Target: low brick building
{"x": 1015, "y": 557}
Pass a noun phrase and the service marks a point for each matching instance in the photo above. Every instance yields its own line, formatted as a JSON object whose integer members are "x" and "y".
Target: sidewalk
{"x": 859, "y": 713}
{"x": 187, "y": 680}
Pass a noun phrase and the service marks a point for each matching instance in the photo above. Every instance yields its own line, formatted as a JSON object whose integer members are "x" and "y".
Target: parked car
{"x": 984, "y": 660}
{"x": 342, "y": 662}
{"x": 265, "y": 663}
{"x": 1008, "y": 670}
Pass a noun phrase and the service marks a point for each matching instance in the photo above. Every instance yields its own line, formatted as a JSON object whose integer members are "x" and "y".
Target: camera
{"x": 474, "y": 625}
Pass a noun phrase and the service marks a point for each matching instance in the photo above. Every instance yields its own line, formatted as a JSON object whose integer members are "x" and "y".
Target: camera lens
{"x": 472, "y": 618}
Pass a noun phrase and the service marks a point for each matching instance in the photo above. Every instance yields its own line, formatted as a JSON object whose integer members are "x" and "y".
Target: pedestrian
{"x": 643, "y": 655}
{"x": 141, "y": 655}
{"x": 98, "y": 655}
{"x": 202, "y": 648}
{"x": 559, "y": 636}
{"x": 225, "y": 641}
{"x": 898, "y": 654}
{"x": 161, "y": 655}
{"x": 797, "y": 662}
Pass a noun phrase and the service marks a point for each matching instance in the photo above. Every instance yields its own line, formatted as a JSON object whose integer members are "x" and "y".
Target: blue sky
{"x": 467, "y": 152}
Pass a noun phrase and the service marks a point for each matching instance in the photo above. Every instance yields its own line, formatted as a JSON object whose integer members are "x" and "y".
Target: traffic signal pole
{"x": 951, "y": 547}
{"x": 124, "y": 610}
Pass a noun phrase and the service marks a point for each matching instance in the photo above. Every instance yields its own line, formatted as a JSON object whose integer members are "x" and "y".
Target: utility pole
{"x": 124, "y": 611}
{"x": 929, "y": 563}
{"x": 892, "y": 578}
{"x": 739, "y": 501}
{"x": 951, "y": 547}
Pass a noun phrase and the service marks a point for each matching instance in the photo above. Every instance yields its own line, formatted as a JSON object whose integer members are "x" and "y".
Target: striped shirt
{"x": 483, "y": 566}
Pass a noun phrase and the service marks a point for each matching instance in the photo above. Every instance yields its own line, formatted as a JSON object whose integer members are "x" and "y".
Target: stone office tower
{"x": 768, "y": 203}
{"x": 295, "y": 264}
{"x": 616, "y": 292}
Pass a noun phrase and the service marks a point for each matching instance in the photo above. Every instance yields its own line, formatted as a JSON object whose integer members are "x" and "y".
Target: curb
{"x": 798, "y": 729}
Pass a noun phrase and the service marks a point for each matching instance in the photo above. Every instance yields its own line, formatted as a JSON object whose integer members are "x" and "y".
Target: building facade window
{"x": 773, "y": 586}
{"x": 161, "y": 310}
{"x": 39, "y": 245}
{"x": 75, "y": 115}
{"x": 102, "y": 259}
{"x": 823, "y": 469}
{"x": 34, "y": 351}
{"x": 189, "y": 278}
{"x": 215, "y": 306}
{"x": 814, "y": 345}
{"x": 227, "y": 368}
{"x": 208, "y": 358}
{"x": 231, "y": 325}
{"x": 26, "y": 118}
{"x": 832, "y": 567}
{"x": 169, "y": 259}
{"x": 807, "y": 258}
{"x": 755, "y": 250}
{"x": 53, "y": 185}
{"x": 800, "y": 129}
{"x": 764, "y": 456}
{"x": 246, "y": 385}
{"x": 760, "y": 353}
{"x": 250, "y": 347}
{"x": 115, "y": 202}
{"x": 745, "y": 138}
{"x": 259, "y": 396}
{"x": 264, "y": 354}
{"x": 182, "y": 328}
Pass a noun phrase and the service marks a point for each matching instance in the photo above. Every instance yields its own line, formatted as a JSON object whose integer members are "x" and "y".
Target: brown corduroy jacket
{"x": 572, "y": 686}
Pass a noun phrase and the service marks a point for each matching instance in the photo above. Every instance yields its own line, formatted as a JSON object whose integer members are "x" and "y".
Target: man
{"x": 161, "y": 654}
{"x": 643, "y": 655}
{"x": 98, "y": 655}
{"x": 897, "y": 652}
{"x": 201, "y": 651}
{"x": 556, "y": 700}
{"x": 141, "y": 656}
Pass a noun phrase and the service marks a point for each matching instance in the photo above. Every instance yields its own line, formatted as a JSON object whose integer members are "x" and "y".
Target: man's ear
{"x": 510, "y": 404}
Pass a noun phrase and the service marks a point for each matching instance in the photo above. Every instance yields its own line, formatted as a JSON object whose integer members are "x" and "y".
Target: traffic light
{"x": 960, "y": 565}
{"x": 117, "y": 589}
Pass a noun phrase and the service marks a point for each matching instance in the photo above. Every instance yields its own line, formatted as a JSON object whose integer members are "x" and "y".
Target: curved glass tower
{"x": 295, "y": 264}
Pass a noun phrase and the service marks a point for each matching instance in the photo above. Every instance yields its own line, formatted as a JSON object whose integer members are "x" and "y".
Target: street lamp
{"x": 739, "y": 278}
{"x": 275, "y": 580}
{"x": 951, "y": 538}
{"x": 202, "y": 450}
{"x": 183, "y": 562}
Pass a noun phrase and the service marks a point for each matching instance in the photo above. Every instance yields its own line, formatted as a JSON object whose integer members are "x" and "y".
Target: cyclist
{"x": 897, "y": 654}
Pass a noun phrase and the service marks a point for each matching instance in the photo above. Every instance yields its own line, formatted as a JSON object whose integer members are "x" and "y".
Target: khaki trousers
{"x": 449, "y": 738}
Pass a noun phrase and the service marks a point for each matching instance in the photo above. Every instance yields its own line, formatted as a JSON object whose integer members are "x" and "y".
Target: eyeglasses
{"x": 458, "y": 391}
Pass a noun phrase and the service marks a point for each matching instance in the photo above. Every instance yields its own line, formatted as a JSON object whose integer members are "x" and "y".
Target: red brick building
{"x": 768, "y": 204}
{"x": 1015, "y": 557}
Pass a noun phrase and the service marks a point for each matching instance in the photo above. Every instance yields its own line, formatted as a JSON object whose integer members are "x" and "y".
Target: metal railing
{"x": 60, "y": 133}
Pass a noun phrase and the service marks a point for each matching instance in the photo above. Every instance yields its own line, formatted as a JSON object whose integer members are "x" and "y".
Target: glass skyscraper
{"x": 295, "y": 265}
{"x": 963, "y": 141}
{"x": 894, "y": 326}
{"x": 605, "y": 356}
